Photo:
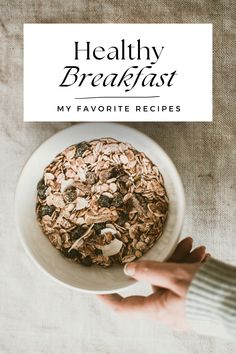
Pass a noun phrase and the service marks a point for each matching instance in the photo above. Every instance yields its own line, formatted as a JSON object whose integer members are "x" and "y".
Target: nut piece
{"x": 81, "y": 203}
{"x": 138, "y": 254}
{"x": 112, "y": 248}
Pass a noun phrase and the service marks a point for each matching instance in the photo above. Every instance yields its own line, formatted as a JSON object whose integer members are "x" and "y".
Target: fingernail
{"x": 129, "y": 269}
{"x": 208, "y": 255}
{"x": 198, "y": 248}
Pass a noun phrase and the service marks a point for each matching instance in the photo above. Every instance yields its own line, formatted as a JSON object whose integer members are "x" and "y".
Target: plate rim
{"x": 17, "y": 191}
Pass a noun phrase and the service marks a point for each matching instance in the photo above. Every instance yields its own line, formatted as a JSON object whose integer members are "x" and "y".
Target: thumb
{"x": 172, "y": 276}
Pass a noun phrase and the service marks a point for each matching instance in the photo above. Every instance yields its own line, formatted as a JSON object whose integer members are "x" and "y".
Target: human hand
{"x": 170, "y": 281}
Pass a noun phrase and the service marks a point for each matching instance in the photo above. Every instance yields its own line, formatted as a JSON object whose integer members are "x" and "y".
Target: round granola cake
{"x": 102, "y": 202}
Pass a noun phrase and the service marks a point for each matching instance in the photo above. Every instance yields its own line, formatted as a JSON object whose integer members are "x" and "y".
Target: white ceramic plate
{"x": 92, "y": 279}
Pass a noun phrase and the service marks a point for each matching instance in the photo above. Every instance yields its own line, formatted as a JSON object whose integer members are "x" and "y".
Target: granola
{"x": 102, "y": 202}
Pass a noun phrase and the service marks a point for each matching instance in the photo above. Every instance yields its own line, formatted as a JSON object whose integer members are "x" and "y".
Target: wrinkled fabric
{"x": 37, "y": 315}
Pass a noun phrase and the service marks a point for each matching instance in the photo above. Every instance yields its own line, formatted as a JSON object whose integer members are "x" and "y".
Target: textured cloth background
{"x": 36, "y": 314}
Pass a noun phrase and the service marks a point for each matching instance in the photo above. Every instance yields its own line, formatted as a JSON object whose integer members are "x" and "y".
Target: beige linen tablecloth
{"x": 37, "y": 315}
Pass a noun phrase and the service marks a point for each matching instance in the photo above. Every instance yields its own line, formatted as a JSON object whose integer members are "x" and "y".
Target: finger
{"x": 164, "y": 275}
{"x": 127, "y": 304}
{"x": 151, "y": 305}
{"x": 197, "y": 255}
{"x": 182, "y": 250}
{"x": 207, "y": 256}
